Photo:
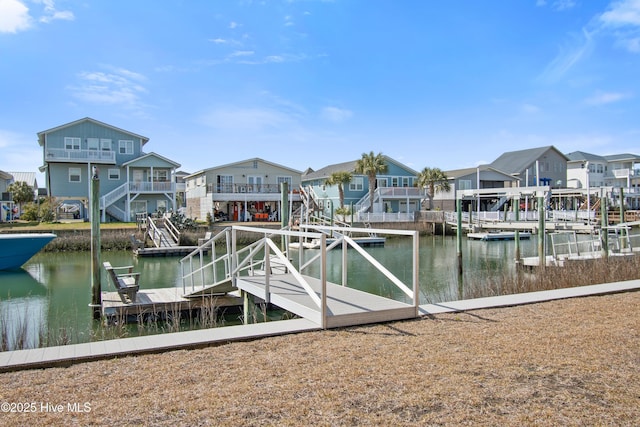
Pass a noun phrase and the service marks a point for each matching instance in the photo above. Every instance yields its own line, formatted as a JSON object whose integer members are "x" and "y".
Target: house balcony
{"x": 265, "y": 192}
{"x": 80, "y": 156}
{"x": 152, "y": 187}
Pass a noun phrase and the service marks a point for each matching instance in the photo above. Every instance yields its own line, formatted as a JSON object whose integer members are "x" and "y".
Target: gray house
{"x": 481, "y": 177}
{"x": 535, "y": 166}
{"x": 131, "y": 181}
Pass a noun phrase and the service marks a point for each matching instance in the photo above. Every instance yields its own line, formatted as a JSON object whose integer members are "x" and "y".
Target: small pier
{"x": 266, "y": 270}
{"x": 162, "y": 301}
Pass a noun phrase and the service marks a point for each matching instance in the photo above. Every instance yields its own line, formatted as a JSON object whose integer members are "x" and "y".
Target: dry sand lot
{"x": 568, "y": 362}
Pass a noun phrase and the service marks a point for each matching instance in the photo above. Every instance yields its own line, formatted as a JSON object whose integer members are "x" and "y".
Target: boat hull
{"x": 16, "y": 249}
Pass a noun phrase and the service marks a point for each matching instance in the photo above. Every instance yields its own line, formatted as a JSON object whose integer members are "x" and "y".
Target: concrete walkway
{"x": 69, "y": 354}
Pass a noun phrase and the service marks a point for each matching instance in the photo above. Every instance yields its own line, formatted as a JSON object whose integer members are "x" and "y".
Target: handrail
{"x": 199, "y": 252}
{"x": 172, "y": 229}
{"x": 155, "y": 234}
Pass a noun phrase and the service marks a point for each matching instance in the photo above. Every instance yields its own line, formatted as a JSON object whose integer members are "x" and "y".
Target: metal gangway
{"x": 296, "y": 279}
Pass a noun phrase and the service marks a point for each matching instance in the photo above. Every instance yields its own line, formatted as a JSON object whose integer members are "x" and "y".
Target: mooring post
{"x": 621, "y": 205}
{"x": 516, "y": 214}
{"x": 96, "y": 288}
{"x": 604, "y": 223}
{"x": 459, "y": 234}
{"x": 542, "y": 256}
{"x": 284, "y": 208}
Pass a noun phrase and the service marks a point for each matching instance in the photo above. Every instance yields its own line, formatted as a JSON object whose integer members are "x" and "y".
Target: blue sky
{"x": 307, "y": 83}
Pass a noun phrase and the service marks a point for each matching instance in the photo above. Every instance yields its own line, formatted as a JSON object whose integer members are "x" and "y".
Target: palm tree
{"x": 340, "y": 179}
{"x": 434, "y": 180}
{"x": 370, "y": 165}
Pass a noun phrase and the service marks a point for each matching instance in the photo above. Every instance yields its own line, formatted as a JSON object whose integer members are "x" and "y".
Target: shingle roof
{"x": 517, "y": 161}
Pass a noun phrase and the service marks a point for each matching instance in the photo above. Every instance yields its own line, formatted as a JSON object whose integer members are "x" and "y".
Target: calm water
{"x": 54, "y": 289}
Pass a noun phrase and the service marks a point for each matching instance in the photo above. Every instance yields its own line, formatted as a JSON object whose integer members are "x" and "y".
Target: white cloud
{"x": 117, "y": 86}
{"x": 568, "y": 57}
{"x": 623, "y": 19}
{"x": 233, "y": 25}
{"x": 336, "y": 114}
{"x": 14, "y": 16}
{"x": 52, "y": 14}
{"x": 622, "y": 13}
{"x": 606, "y": 98}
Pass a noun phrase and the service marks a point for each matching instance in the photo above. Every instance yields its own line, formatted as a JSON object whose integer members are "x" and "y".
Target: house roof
{"x": 5, "y": 175}
{"x": 581, "y": 156}
{"x": 87, "y": 119}
{"x": 621, "y": 157}
{"x": 241, "y": 162}
{"x": 148, "y": 155}
{"x": 457, "y": 173}
{"x": 28, "y": 177}
{"x": 350, "y": 166}
{"x": 514, "y": 162}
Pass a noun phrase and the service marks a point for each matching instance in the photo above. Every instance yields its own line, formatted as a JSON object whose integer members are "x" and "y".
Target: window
{"x": 225, "y": 184}
{"x": 71, "y": 143}
{"x": 356, "y": 184}
{"x": 105, "y": 144}
{"x": 160, "y": 175}
{"x": 126, "y": 146}
{"x": 394, "y": 181}
{"x": 114, "y": 174}
{"x": 74, "y": 174}
{"x": 465, "y": 184}
{"x": 405, "y": 181}
{"x": 93, "y": 143}
{"x": 286, "y": 179}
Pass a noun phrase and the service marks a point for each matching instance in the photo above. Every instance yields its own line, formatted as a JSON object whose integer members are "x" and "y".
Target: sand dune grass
{"x": 569, "y": 362}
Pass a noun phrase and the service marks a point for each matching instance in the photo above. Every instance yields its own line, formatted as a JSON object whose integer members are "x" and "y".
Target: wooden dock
{"x": 164, "y": 251}
{"x": 345, "y": 306}
{"x": 162, "y": 301}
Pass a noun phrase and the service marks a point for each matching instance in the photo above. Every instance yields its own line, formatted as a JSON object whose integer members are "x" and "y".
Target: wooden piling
{"x": 96, "y": 287}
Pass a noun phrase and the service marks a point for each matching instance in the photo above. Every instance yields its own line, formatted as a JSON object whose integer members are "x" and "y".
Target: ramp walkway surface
{"x": 76, "y": 353}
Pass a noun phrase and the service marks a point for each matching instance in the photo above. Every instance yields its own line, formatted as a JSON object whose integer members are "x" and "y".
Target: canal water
{"x": 52, "y": 291}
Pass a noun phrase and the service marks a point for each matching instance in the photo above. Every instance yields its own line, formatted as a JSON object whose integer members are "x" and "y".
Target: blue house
{"x": 131, "y": 181}
{"x": 395, "y": 197}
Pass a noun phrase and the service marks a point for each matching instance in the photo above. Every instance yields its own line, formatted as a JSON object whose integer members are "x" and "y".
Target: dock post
{"x": 621, "y": 205}
{"x": 96, "y": 288}
{"x": 516, "y": 213}
{"x": 604, "y": 223}
{"x": 542, "y": 256}
{"x": 459, "y": 234}
{"x": 284, "y": 208}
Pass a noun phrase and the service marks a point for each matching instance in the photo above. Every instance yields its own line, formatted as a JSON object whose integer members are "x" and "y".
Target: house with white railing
{"x": 395, "y": 198}
{"x": 248, "y": 190}
{"x": 131, "y": 181}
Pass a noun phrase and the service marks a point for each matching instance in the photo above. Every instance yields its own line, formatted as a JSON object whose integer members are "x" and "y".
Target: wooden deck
{"x": 162, "y": 300}
{"x": 345, "y": 306}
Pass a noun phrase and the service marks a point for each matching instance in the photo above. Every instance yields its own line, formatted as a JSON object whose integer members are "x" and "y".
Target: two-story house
{"x": 618, "y": 171}
{"x": 131, "y": 181}
{"x": 395, "y": 190}
{"x": 248, "y": 190}
{"x": 535, "y": 167}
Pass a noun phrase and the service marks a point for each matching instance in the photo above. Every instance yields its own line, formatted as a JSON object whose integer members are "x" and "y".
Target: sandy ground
{"x": 570, "y": 362}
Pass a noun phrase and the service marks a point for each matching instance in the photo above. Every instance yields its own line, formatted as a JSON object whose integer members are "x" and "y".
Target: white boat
{"x": 16, "y": 249}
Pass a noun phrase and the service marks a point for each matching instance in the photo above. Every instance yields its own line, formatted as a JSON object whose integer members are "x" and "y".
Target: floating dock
{"x": 362, "y": 241}
{"x": 164, "y": 251}
{"x": 499, "y": 235}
